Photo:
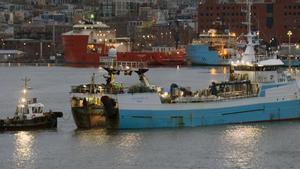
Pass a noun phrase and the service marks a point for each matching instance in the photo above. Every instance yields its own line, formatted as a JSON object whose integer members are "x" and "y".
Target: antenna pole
{"x": 249, "y": 3}
{"x": 26, "y": 80}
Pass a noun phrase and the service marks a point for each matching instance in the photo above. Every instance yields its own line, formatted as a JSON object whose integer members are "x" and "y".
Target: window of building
{"x": 269, "y": 22}
{"x": 269, "y": 8}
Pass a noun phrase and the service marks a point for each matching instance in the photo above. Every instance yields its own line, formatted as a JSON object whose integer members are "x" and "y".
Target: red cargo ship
{"x": 87, "y": 42}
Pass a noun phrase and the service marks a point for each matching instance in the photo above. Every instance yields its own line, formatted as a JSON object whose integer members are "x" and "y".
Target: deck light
{"x": 23, "y": 100}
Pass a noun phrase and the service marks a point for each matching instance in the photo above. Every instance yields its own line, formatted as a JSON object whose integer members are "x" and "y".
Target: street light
{"x": 24, "y": 44}
{"x": 289, "y": 33}
{"x": 92, "y": 17}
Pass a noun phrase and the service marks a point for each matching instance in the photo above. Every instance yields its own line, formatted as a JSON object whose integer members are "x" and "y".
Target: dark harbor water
{"x": 263, "y": 145}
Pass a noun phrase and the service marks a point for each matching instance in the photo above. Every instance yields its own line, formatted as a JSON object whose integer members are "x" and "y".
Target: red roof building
{"x": 272, "y": 18}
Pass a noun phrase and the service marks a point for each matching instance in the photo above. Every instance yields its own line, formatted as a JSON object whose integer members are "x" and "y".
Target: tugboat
{"x": 30, "y": 115}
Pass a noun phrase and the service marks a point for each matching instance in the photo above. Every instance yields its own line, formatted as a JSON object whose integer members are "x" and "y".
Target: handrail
{"x": 199, "y": 99}
{"x": 122, "y": 65}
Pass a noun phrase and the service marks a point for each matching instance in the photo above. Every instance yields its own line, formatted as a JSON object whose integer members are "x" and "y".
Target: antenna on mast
{"x": 26, "y": 80}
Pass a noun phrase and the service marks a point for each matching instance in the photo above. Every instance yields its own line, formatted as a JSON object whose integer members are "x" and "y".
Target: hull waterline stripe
{"x": 240, "y": 112}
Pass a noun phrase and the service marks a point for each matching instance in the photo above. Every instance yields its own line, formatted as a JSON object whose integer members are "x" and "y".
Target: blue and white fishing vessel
{"x": 257, "y": 91}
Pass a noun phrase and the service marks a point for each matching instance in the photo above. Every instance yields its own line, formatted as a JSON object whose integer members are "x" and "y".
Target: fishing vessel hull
{"x": 187, "y": 115}
{"x": 202, "y": 55}
{"x": 47, "y": 122}
{"x": 294, "y": 63}
{"x": 86, "y": 118}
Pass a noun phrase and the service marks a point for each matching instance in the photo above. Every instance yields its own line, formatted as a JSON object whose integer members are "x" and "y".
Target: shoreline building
{"x": 271, "y": 18}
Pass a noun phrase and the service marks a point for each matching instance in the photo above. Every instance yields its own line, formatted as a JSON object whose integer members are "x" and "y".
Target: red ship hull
{"x": 77, "y": 53}
{"x": 153, "y": 58}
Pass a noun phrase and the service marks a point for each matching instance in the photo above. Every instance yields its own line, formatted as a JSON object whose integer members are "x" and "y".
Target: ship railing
{"x": 263, "y": 57}
{"x": 211, "y": 99}
{"x": 122, "y": 65}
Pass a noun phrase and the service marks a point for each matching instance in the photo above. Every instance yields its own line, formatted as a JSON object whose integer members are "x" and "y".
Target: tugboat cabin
{"x": 30, "y": 109}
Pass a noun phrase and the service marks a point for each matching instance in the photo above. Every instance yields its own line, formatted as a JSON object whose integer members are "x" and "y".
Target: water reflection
{"x": 241, "y": 144}
{"x": 23, "y": 154}
{"x": 128, "y": 147}
{"x": 213, "y": 71}
{"x": 124, "y": 144}
{"x": 130, "y": 140}
{"x": 94, "y": 136}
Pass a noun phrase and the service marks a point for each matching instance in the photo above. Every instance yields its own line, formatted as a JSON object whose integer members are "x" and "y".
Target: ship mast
{"x": 25, "y": 89}
{"x": 248, "y": 23}
{"x": 22, "y": 105}
{"x": 249, "y": 54}
{"x": 92, "y": 86}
